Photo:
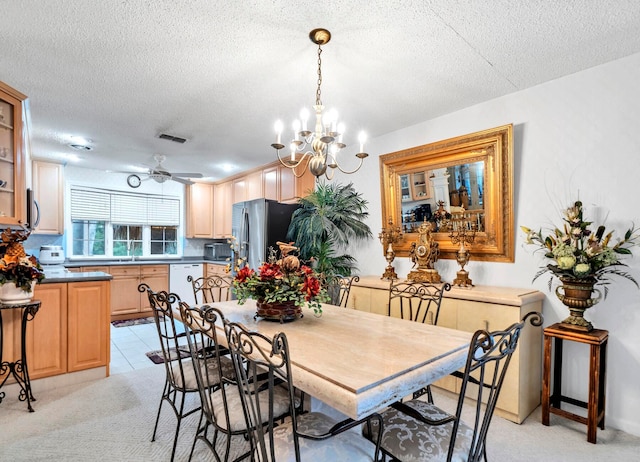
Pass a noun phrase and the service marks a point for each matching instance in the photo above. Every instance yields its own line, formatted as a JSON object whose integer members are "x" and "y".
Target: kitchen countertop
{"x": 68, "y": 276}
{"x": 118, "y": 262}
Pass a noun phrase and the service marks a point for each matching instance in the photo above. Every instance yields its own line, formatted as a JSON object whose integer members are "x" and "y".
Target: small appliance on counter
{"x": 52, "y": 259}
{"x": 51, "y": 255}
{"x": 218, "y": 249}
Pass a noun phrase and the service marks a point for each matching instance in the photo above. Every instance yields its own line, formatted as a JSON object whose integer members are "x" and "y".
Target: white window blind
{"x": 90, "y": 205}
{"x": 163, "y": 211}
{"x": 128, "y": 209}
{"x": 124, "y": 208}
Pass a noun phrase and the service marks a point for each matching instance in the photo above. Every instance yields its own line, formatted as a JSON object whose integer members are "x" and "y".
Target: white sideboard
{"x": 481, "y": 307}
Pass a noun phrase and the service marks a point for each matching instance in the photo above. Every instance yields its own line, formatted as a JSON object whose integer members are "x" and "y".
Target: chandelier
{"x": 318, "y": 148}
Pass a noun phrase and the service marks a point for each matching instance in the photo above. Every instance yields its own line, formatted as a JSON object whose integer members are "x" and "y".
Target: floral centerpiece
{"x": 282, "y": 280}
{"x": 15, "y": 265}
{"x": 582, "y": 258}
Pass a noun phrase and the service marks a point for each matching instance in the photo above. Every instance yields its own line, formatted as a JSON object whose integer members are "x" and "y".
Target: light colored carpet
{"x": 105, "y": 420}
{"x": 112, "y": 420}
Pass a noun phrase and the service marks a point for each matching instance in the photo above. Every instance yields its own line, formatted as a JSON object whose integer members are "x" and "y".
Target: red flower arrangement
{"x": 280, "y": 280}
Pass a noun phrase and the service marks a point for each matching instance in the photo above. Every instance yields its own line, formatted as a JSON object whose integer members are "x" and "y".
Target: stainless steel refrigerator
{"x": 258, "y": 225}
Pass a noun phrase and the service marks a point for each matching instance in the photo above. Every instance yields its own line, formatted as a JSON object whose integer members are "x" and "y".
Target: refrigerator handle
{"x": 244, "y": 236}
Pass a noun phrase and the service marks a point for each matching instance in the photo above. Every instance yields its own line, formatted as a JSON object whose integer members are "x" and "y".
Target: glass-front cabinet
{"x": 12, "y": 157}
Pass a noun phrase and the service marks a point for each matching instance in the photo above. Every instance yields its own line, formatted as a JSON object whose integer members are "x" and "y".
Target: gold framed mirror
{"x": 470, "y": 177}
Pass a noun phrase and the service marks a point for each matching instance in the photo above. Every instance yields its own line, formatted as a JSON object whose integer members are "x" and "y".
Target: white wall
{"x": 579, "y": 134}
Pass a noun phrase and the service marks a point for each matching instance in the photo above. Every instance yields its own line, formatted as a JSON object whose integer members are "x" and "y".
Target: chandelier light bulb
{"x": 278, "y": 129}
{"x": 304, "y": 116}
{"x": 362, "y": 137}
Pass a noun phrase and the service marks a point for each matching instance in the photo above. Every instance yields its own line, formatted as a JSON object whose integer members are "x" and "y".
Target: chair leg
{"x": 164, "y": 394}
{"x": 179, "y": 417}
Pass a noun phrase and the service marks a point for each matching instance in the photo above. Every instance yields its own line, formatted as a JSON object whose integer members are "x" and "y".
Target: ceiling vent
{"x": 177, "y": 139}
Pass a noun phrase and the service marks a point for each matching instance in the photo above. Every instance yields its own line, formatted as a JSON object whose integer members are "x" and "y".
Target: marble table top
{"x": 359, "y": 362}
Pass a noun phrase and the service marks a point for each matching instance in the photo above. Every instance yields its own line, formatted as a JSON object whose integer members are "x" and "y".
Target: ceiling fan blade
{"x": 181, "y": 180}
{"x": 188, "y": 175}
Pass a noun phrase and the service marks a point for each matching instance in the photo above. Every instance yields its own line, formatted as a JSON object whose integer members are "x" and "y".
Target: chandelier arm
{"x": 348, "y": 172}
{"x": 293, "y": 167}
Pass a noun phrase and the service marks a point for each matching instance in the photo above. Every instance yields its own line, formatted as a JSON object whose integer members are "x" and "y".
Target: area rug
{"x": 132, "y": 322}
{"x": 157, "y": 358}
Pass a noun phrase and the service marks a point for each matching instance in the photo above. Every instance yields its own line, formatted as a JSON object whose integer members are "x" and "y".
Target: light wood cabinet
{"x": 199, "y": 210}
{"x": 88, "y": 325}
{"x": 222, "y": 199}
{"x": 70, "y": 332}
{"x": 292, "y": 188}
{"x": 271, "y": 183}
{"x": 47, "y": 332}
{"x": 213, "y": 269}
{"x": 126, "y": 301}
{"x": 48, "y": 189}
{"x": 13, "y": 208}
{"x": 483, "y": 307}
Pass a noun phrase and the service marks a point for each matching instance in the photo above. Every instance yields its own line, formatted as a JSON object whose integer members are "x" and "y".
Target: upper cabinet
{"x": 293, "y": 188}
{"x": 12, "y": 157}
{"x": 199, "y": 210}
{"x": 222, "y": 209}
{"x": 48, "y": 193}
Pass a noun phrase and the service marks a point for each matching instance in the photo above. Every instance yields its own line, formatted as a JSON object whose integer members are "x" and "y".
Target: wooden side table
{"x": 551, "y": 400}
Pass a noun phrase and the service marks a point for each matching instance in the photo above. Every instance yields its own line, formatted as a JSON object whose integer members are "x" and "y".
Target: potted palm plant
{"x": 330, "y": 218}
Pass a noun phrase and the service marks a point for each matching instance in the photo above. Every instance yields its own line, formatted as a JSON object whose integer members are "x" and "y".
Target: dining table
{"x": 358, "y": 362}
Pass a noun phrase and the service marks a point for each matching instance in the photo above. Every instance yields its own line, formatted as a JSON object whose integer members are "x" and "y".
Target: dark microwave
{"x": 217, "y": 251}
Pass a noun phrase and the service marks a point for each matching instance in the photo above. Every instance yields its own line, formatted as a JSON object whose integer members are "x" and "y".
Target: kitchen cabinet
{"x": 48, "y": 189}
{"x": 88, "y": 333}
{"x": 215, "y": 269}
{"x": 126, "y": 301}
{"x": 70, "y": 331}
{"x": 12, "y": 157}
{"x": 484, "y": 307}
{"x": 271, "y": 183}
{"x": 292, "y": 188}
{"x": 199, "y": 210}
{"x": 222, "y": 199}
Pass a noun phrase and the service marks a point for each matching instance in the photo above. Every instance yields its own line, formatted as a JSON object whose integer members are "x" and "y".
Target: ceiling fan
{"x": 159, "y": 174}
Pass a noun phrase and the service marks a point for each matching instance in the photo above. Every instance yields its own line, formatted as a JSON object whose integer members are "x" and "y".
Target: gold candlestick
{"x": 389, "y": 236}
{"x": 462, "y": 231}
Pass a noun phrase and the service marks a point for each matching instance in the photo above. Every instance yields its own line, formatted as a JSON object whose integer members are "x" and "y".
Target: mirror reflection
{"x": 464, "y": 199}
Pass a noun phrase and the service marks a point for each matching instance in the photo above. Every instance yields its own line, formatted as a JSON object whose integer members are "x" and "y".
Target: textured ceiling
{"x": 120, "y": 72}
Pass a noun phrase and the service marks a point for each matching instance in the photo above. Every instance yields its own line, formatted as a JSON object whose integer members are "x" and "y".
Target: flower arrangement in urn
{"x": 15, "y": 265}
{"x": 582, "y": 258}
{"x": 281, "y": 280}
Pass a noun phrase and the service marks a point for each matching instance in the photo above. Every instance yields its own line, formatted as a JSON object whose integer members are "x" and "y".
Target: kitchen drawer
{"x": 148, "y": 270}
{"x": 128, "y": 270}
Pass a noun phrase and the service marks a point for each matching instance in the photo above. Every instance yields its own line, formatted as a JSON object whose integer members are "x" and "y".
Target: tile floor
{"x": 129, "y": 345}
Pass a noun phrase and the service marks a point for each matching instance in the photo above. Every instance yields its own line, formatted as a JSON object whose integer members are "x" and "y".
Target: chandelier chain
{"x": 318, "y": 99}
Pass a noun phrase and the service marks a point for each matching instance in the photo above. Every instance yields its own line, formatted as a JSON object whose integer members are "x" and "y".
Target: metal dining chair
{"x": 221, "y": 409}
{"x": 420, "y": 302}
{"x": 180, "y": 378}
{"x": 210, "y": 289}
{"x": 339, "y": 288}
{"x": 310, "y": 436}
{"x": 417, "y": 430}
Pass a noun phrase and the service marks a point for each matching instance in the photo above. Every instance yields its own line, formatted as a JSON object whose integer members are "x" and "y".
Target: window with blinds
{"x": 116, "y": 224}
{"x": 124, "y": 208}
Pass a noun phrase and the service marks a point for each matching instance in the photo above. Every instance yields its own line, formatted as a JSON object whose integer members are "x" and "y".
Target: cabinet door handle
{"x": 486, "y": 325}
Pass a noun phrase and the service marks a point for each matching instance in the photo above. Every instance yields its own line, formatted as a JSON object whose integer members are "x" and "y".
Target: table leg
{"x": 25, "y": 394}
{"x": 603, "y": 381}
{"x": 594, "y": 393}
{"x": 546, "y": 380}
